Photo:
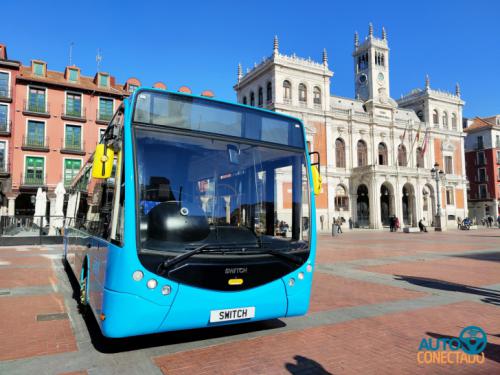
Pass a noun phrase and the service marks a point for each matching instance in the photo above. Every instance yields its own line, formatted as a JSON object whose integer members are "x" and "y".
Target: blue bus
{"x": 193, "y": 212}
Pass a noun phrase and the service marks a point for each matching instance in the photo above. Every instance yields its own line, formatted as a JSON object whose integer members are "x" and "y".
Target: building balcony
{"x": 32, "y": 181}
{"x": 72, "y": 115}
{"x": 6, "y": 94}
{"x": 4, "y": 169}
{"x": 35, "y": 109}
{"x": 103, "y": 118}
{"x": 482, "y": 179}
{"x": 5, "y": 128}
{"x": 74, "y": 148}
{"x": 31, "y": 143}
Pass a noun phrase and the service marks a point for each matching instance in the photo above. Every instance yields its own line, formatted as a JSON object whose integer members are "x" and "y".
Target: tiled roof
{"x": 480, "y": 124}
{"x": 84, "y": 83}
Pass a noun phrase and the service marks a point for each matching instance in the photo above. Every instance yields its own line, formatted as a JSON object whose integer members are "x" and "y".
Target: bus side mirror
{"x": 317, "y": 180}
{"x": 103, "y": 162}
{"x": 316, "y": 174}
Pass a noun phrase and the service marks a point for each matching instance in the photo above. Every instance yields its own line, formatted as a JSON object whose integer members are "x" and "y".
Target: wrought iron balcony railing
{"x": 35, "y": 142}
{"x": 33, "y": 179}
{"x": 72, "y": 147}
{"x": 5, "y": 94}
{"x": 76, "y": 114}
{"x": 103, "y": 116}
{"x": 32, "y": 107}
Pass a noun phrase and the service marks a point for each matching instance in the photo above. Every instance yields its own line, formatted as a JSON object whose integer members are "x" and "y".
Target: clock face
{"x": 362, "y": 78}
{"x": 380, "y": 77}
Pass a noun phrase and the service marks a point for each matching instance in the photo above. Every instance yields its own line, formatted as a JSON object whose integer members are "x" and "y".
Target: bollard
{"x": 333, "y": 230}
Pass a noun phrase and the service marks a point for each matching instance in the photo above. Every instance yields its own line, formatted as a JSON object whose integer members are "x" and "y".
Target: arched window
{"x": 302, "y": 93}
{"x": 445, "y": 119}
{"x": 435, "y": 118}
{"x": 339, "y": 153}
{"x": 317, "y": 95}
{"x": 420, "y": 158}
{"x": 244, "y": 100}
{"x": 260, "y": 97}
{"x": 454, "y": 121}
{"x": 287, "y": 91}
{"x": 362, "y": 154}
{"x": 252, "y": 98}
{"x": 382, "y": 154}
{"x": 402, "y": 156}
{"x": 341, "y": 198}
{"x": 269, "y": 93}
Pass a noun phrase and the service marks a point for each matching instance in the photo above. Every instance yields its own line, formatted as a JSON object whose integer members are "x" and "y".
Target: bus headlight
{"x": 137, "y": 275}
{"x": 152, "y": 283}
{"x": 301, "y": 275}
{"x": 309, "y": 268}
{"x": 291, "y": 282}
{"x": 166, "y": 290}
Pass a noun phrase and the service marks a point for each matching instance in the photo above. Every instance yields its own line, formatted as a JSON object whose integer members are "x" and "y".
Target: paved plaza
{"x": 376, "y": 295}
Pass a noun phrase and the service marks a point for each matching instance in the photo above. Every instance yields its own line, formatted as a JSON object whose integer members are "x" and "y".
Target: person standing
{"x": 396, "y": 224}
{"x": 350, "y": 222}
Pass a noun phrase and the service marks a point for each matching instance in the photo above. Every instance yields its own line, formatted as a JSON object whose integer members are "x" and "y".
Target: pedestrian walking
{"x": 350, "y": 222}
{"x": 490, "y": 221}
{"x": 459, "y": 222}
{"x": 396, "y": 224}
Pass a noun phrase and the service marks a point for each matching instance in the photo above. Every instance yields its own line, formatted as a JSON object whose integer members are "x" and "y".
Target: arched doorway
{"x": 386, "y": 203}
{"x": 408, "y": 205}
{"x": 363, "y": 207}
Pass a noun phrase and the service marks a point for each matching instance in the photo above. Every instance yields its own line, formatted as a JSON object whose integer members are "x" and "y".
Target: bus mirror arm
{"x": 317, "y": 163}
{"x": 316, "y": 173}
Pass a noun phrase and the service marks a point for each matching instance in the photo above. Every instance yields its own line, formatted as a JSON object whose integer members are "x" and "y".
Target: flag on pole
{"x": 426, "y": 142}
{"x": 402, "y": 137}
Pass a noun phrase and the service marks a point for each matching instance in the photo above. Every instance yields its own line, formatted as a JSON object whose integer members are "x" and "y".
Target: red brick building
{"x": 9, "y": 70}
{"x": 50, "y": 122}
{"x": 482, "y": 158}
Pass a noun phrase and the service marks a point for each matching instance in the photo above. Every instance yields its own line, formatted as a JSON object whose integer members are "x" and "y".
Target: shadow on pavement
{"x": 492, "y": 296}
{"x": 481, "y": 235}
{"x": 492, "y": 257}
{"x": 305, "y": 366}
{"x": 492, "y": 351}
{"x": 107, "y": 345}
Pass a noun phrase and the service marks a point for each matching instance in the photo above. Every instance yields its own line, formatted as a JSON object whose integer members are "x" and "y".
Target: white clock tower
{"x": 371, "y": 69}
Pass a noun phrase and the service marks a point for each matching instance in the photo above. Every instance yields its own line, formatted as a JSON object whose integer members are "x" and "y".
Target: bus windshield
{"x": 204, "y": 189}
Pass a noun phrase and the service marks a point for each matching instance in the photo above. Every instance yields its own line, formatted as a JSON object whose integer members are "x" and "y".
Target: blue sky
{"x": 199, "y": 43}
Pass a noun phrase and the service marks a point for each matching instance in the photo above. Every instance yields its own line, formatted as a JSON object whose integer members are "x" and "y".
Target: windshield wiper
{"x": 207, "y": 247}
{"x": 277, "y": 253}
{"x": 227, "y": 248}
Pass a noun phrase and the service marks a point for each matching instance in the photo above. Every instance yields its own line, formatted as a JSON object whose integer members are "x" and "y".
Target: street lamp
{"x": 437, "y": 174}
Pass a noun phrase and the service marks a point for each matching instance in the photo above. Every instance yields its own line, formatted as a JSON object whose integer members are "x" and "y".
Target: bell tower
{"x": 371, "y": 68}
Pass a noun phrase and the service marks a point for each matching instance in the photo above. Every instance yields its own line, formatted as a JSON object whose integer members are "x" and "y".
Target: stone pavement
{"x": 376, "y": 295}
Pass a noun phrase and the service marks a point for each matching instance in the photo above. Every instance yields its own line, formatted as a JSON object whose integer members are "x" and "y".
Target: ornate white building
{"x": 376, "y": 152}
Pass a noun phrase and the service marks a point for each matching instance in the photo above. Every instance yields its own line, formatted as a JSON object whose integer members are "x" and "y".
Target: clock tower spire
{"x": 371, "y": 69}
